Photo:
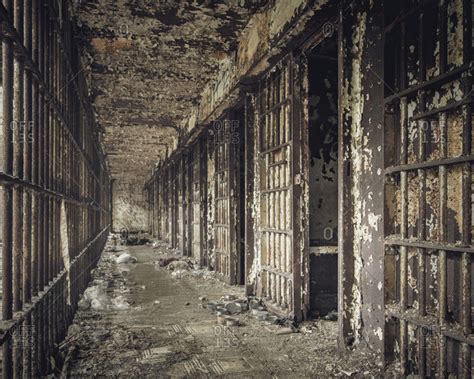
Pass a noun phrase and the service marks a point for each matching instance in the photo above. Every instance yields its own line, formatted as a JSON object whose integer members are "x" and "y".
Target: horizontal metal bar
{"x": 275, "y": 107}
{"x": 436, "y": 81}
{"x": 390, "y": 241}
{"x": 6, "y": 179}
{"x": 277, "y": 163}
{"x": 275, "y": 271}
{"x": 274, "y": 148}
{"x": 429, "y": 164}
{"x": 431, "y": 323}
{"x": 281, "y": 231}
{"x": 446, "y": 108}
{"x": 274, "y": 190}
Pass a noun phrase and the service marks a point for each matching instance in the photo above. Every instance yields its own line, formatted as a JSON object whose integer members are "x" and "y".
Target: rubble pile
{"x": 229, "y": 307}
{"x": 181, "y": 266}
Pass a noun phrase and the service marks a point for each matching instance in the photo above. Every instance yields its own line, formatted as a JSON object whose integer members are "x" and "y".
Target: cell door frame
{"x": 225, "y": 232}
{"x": 195, "y": 179}
{"x": 294, "y": 302}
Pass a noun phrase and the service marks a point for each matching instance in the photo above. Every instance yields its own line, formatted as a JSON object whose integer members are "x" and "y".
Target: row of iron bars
{"x": 54, "y": 180}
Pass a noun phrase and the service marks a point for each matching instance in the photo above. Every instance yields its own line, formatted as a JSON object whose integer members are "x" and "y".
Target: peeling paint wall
{"x": 129, "y": 206}
{"x": 361, "y": 297}
{"x": 323, "y": 145}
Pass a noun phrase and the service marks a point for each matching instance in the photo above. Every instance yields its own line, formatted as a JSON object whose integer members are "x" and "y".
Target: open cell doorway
{"x": 323, "y": 177}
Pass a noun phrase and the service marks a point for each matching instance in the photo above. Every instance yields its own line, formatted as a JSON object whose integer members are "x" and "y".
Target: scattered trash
{"x": 119, "y": 303}
{"x": 165, "y": 261}
{"x": 331, "y": 316}
{"x": 128, "y": 349}
{"x": 125, "y": 258}
{"x": 135, "y": 240}
{"x": 283, "y": 331}
{"x": 229, "y": 321}
{"x": 178, "y": 265}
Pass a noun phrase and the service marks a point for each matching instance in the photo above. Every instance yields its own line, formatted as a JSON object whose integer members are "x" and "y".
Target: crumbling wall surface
{"x": 268, "y": 34}
{"x": 322, "y": 108}
{"x": 129, "y": 205}
{"x": 361, "y": 200}
{"x": 147, "y": 63}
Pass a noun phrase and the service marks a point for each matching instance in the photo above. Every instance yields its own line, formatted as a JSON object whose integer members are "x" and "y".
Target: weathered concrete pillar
{"x": 361, "y": 94}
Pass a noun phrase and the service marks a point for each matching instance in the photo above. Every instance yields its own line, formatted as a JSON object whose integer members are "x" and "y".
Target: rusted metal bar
{"x": 435, "y": 82}
{"x": 46, "y": 83}
{"x": 27, "y": 148}
{"x": 466, "y": 266}
{"x": 17, "y": 164}
{"x": 423, "y": 135}
{"x": 7, "y": 114}
{"x": 35, "y": 156}
{"x": 404, "y": 200}
{"x": 37, "y": 168}
{"x": 431, "y": 164}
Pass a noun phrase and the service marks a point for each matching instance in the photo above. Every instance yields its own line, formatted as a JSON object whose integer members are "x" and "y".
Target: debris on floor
{"x": 191, "y": 325}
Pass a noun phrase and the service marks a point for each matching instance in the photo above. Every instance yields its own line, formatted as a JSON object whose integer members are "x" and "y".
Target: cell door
{"x": 196, "y": 236}
{"x": 280, "y": 180}
{"x": 429, "y": 156}
{"x": 226, "y": 251}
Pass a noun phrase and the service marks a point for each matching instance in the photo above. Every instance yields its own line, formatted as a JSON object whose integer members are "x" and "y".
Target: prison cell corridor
{"x": 236, "y": 188}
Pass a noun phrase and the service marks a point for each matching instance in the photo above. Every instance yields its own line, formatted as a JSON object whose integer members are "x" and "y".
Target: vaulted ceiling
{"x": 147, "y": 63}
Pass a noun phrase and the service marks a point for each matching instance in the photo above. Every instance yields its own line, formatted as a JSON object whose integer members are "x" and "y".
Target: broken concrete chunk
{"x": 255, "y": 311}
{"x": 261, "y": 315}
{"x": 253, "y": 304}
{"x": 233, "y": 307}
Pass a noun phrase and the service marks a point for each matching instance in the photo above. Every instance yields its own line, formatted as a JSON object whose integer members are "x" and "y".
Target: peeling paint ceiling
{"x": 147, "y": 63}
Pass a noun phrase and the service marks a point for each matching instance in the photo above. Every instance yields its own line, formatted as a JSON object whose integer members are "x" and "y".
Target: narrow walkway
{"x": 151, "y": 323}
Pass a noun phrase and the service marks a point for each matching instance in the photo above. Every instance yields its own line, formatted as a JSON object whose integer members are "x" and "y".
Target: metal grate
{"x": 276, "y": 281}
{"x": 56, "y": 188}
{"x": 428, "y": 263}
{"x": 225, "y": 186}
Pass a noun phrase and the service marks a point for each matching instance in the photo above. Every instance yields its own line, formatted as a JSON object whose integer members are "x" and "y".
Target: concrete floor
{"x": 166, "y": 332}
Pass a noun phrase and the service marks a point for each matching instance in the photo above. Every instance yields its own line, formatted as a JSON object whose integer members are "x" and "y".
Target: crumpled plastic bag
{"x": 125, "y": 258}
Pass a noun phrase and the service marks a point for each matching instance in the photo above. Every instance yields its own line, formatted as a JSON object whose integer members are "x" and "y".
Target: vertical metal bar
{"x": 442, "y": 285}
{"x": 466, "y": 174}
{"x": 404, "y": 198}
{"x": 27, "y": 145}
{"x": 7, "y": 233}
{"x": 34, "y": 154}
{"x": 233, "y": 198}
{"x": 17, "y": 164}
{"x": 423, "y": 130}
{"x": 249, "y": 128}
{"x": 404, "y": 206}
{"x": 443, "y": 37}
{"x": 7, "y": 114}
